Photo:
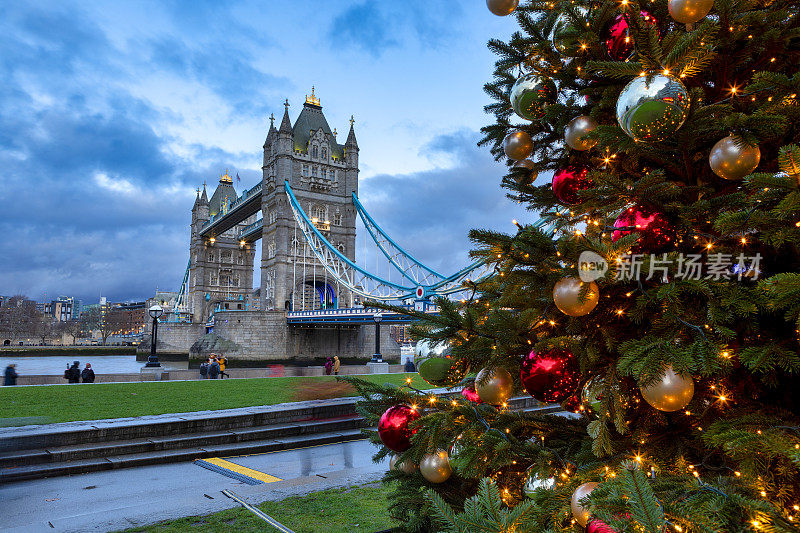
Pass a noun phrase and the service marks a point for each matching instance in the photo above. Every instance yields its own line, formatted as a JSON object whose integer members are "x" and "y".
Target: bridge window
{"x": 226, "y": 257}
{"x": 212, "y": 279}
{"x": 211, "y": 256}
{"x": 305, "y": 171}
{"x": 324, "y": 153}
{"x": 314, "y": 171}
{"x": 235, "y": 282}
{"x": 240, "y": 259}
{"x": 324, "y": 174}
{"x": 315, "y": 152}
{"x": 273, "y": 216}
{"x": 319, "y": 213}
{"x": 337, "y": 219}
{"x": 340, "y": 247}
{"x": 271, "y": 250}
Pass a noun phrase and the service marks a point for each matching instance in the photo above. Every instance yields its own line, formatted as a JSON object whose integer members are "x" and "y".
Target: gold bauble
{"x": 566, "y": 295}
{"x": 732, "y": 159}
{"x": 497, "y": 385}
{"x": 404, "y": 466}
{"x": 525, "y": 167}
{"x": 518, "y": 145}
{"x": 435, "y": 467}
{"x": 579, "y": 512}
{"x": 575, "y": 131}
{"x": 671, "y": 393}
{"x": 501, "y": 8}
{"x": 689, "y": 11}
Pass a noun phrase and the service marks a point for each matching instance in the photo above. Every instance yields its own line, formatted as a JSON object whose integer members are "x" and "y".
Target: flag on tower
{"x": 238, "y": 179}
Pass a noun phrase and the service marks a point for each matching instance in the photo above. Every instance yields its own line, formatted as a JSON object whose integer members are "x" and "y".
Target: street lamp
{"x": 377, "y": 357}
{"x": 155, "y": 312}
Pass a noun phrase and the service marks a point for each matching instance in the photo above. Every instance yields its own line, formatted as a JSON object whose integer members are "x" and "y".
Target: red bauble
{"x": 654, "y": 229}
{"x": 550, "y": 376}
{"x": 393, "y": 427}
{"x": 568, "y": 181}
{"x": 470, "y": 393}
{"x": 618, "y": 38}
{"x": 598, "y": 526}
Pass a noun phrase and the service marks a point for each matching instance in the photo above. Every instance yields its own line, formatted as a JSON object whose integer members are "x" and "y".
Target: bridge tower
{"x": 323, "y": 175}
{"x": 220, "y": 269}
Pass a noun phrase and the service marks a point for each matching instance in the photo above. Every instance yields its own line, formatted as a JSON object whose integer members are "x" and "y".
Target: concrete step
{"x": 61, "y": 468}
{"x": 176, "y": 442}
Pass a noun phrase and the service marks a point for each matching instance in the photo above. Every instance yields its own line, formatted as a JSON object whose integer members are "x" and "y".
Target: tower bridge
{"x": 313, "y": 291}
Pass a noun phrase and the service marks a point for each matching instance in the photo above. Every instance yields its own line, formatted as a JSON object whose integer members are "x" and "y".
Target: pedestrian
{"x": 213, "y": 370}
{"x": 73, "y": 373}
{"x": 409, "y": 366}
{"x": 328, "y": 366}
{"x": 87, "y": 376}
{"x": 204, "y": 369}
{"x": 10, "y": 375}
{"x": 336, "y": 365}
{"x": 223, "y": 362}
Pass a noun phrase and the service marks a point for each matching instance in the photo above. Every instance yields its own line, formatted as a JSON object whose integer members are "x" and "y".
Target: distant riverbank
{"x": 68, "y": 351}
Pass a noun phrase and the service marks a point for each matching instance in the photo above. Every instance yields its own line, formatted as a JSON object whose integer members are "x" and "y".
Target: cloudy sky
{"x": 112, "y": 113}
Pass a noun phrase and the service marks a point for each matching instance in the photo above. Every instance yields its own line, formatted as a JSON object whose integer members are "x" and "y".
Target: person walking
{"x": 223, "y": 362}
{"x": 11, "y": 375}
{"x": 328, "y": 366}
{"x": 204, "y": 369}
{"x": 213, "y": 370}
{"x": 336, "y": 365}
{"x": 87, "y": 376}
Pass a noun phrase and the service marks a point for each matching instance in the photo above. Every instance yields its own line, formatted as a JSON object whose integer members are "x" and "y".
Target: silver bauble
{"x": 531, "y": 94}
{"x": 533, "y": 482}
{"x": 404, "y": 466}
{"x": 652, "y": 107}
{"x": 435, "y": 467}
{"x": 670, "y": 393}
{"x": 528, "y": 175}
{"x": 567, "y": 296}
{"x": 501, "y": 8}
{"x": 575, "y": 131}
{"x": 579, "y": 512}
{"x": 518, "y": 145}
{"x": 689, "y": 11}
{"x": 732, "y": 159}
{"x": 494, "y": 385}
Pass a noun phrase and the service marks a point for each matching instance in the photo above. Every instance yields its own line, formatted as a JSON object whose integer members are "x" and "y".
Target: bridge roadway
{"x": 246, "y": 205}
{"x": 354, "y": 315}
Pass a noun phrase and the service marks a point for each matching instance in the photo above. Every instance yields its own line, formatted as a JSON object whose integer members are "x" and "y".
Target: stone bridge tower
{"x": 220, "y": 269}
{"x": 323, "y": 175}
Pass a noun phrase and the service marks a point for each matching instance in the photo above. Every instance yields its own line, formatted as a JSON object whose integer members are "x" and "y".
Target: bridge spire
{"x": 286, "y": 124}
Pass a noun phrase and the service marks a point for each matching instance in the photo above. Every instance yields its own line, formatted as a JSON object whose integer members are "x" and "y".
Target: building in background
{"x": 63, "y": 309}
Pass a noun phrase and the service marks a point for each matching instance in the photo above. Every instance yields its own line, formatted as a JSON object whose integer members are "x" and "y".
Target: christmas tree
{"x": 654, "y": 295}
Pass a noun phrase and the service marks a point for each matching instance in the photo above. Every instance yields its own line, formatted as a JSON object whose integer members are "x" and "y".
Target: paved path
{"x": 119, "y": 499}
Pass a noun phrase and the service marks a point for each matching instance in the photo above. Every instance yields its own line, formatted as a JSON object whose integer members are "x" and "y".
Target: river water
{"x": 101, "y": 364}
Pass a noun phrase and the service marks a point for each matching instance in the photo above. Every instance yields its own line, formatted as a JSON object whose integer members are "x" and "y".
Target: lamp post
{"x": 155, "y": 312}
{"x": 377, "y": 357}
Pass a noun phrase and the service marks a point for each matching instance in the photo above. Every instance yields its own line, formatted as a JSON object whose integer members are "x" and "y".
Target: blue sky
{"x": 112, "y": 113}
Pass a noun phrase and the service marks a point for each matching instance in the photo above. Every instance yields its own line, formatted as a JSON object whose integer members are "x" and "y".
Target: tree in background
{"x": 19, "y": 318}
{"x": 105, "y": 321}
{"x": 657, "y": 298}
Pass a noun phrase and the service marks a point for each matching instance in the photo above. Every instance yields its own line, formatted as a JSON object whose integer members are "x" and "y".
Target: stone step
{"x": 176, "y": 442}
{"x": 19, "y": 473}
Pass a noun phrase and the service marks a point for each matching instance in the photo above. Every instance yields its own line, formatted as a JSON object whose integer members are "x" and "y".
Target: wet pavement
{"x": 119, "y": 499}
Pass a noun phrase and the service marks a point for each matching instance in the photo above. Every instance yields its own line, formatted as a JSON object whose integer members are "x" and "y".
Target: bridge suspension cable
{"x": 417, "y": 280}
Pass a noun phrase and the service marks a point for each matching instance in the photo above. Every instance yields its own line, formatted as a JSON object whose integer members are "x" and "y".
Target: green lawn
{"x": 345, "y": 510}
{"x": 64, "y": 403}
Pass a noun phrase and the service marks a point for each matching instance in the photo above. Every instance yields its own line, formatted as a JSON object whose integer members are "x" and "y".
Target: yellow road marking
{"x": 249, "y": 472}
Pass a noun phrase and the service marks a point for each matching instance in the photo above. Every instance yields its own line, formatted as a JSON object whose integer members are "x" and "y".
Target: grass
{"x": 65, "y": 403}
{"x": 345, "y": 510}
